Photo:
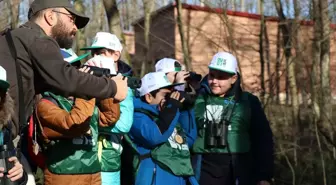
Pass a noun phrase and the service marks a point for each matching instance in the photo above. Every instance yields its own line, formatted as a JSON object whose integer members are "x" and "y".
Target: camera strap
{"x": 22, "y": 117}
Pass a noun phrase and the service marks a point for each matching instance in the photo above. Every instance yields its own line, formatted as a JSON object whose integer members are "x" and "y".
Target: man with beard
{"x": 52, "y": 24}
{"x": 15, "y": 174}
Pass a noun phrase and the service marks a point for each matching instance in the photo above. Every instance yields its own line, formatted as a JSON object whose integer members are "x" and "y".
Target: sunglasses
{"x": 71, "y": 17}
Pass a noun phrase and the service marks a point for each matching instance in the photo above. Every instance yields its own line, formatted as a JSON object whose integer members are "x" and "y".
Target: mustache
{"x": 73, "y": 32}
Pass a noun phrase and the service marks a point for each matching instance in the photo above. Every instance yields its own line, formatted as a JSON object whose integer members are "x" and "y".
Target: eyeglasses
{"x": 71, "y": 17}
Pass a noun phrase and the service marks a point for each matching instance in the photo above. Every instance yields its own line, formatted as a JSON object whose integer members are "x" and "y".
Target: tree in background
{"x": 185, "y": 45}
{"x": 148, "y": 6}
{"x": 80, "y": 36}
{"x": 115, "y": 27}
{"x": 14, "y": 9}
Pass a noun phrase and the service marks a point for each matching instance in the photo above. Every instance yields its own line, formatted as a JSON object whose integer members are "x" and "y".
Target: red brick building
{"x": 207, "y": 33}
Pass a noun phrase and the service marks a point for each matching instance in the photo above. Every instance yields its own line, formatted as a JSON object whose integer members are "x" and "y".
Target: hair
{"x": 153, "y": 93}
{"x": 6, "y": 109}
{"x": 39, "y": 14}
{"x": 36, "y": 16}
{"x": 93, "y": 51}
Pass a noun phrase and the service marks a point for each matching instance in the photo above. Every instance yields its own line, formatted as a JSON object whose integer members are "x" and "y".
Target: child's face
{"x": 220, "y": 82}
{"x": 158, "y": 98}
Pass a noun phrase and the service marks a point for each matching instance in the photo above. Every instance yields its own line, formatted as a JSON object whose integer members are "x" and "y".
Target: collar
{"x": 33, "y": 26}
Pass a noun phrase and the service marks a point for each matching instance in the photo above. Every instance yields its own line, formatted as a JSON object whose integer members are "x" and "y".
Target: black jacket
{"x": 43, "y": 69}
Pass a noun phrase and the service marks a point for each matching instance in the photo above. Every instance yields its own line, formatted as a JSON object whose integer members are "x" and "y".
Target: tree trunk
{"x": 258, "y": 7}
{"x": 230, "y": 39}
{"x": 288, "y": 37}
{"x": 268, "y": 62}
{"x": 148, "y": 8}
{"x": 261, "y": 51}
{"x": 15, "y": 7}
{"x": 326, "y": 107}
{"x": 233, "y": 5}
{"x": 5, "y": 13}
{"x": 292, "y": 81}
{"x": 277, "y": 65}
{"x": 185, "y": 46}
{"x": 115, "y": 27}
{"x": 80, "y": 36}
{"x": 316, "y": 60}
{"x": 242, "y": 5}
{"x": 315, "y": 78}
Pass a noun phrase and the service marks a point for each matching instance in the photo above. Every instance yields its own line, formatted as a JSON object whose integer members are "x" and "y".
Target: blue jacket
{"x": 146, "y": 136}
{"x": 123, "y": 125}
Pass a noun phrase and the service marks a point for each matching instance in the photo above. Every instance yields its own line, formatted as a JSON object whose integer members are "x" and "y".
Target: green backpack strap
{"x": 55, "y": 97}
{"x": 130, "y": 143}
{"x": 136, "y": 157}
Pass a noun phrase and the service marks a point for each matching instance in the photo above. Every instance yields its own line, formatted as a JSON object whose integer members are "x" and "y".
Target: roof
{"x": 221, "y": 11}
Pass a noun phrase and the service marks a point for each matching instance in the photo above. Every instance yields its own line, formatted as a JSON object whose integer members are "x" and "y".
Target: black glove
{"x": 189, "y": 98}
{"x": 168, "y": 113}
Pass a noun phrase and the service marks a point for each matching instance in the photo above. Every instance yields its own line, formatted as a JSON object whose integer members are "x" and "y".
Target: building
{"x": 208, "y": 31}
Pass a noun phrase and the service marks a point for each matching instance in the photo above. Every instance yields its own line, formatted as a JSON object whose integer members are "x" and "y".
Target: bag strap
{"x": 51, "y": 100}
{"x": 22, "y": 117}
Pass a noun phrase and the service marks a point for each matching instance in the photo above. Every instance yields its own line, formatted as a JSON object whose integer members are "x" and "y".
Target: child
{"x": 233, "y": 146}
{"x": 70, "y": 130}
{"x": 161, "y": 136}
{"x": 110, "y": 141}
{"x": 16, "y": 173}
{"x": 106, "y": 50}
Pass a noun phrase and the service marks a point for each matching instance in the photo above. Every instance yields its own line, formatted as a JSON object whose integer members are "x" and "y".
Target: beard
{"x": 62, "y": 37}
{"x": 6, "y": 110}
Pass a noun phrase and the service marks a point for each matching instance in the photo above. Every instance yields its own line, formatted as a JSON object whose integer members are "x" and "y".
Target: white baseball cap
{"x": 154, "y": 81}
{"x": 3, "y": 79}
{"x": 105, "y": 40}
{"x": 167, "y": 65}
{"x": 224, "y": 61}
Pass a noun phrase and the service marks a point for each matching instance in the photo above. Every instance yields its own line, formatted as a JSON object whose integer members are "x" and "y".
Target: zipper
{"x": 154, "y": 175}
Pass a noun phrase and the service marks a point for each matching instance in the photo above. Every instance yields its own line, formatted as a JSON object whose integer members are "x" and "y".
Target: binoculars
{"x": 5, "y": 154}
{"x": 216, "y": 134}
{"x": 132, "y": 82}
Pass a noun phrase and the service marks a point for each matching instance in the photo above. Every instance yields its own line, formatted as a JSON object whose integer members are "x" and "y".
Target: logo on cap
{"x": 221, "y": 62}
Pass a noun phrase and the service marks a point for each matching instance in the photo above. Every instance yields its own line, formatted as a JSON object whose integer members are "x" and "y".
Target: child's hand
{"x": 16, "y": 172}
{"x": 176, "y": 95}
{"x": 162, "y": 103}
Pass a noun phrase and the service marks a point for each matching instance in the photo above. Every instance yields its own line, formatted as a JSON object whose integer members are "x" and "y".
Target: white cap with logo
{"x": 105, "y": 40}
{"x": 224, "y": 61}
{"x": 154, "y": 81}
{"x": 167, "y": 65}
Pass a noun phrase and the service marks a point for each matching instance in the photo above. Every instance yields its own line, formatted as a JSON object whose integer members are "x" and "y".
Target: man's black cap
{"x": 38, "y": 5}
